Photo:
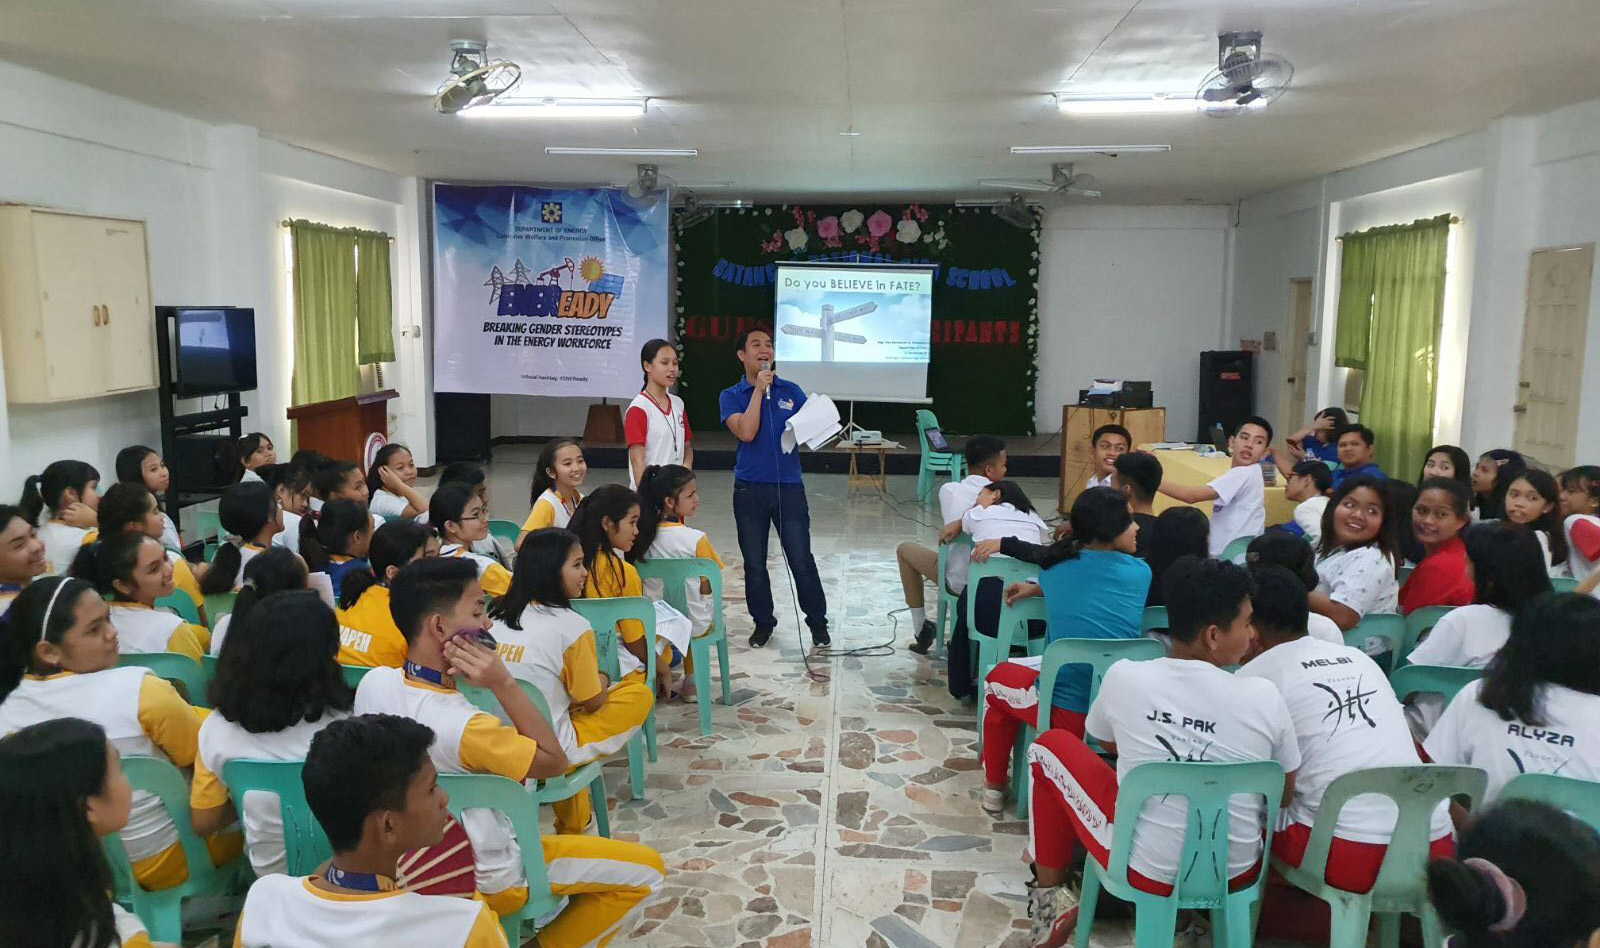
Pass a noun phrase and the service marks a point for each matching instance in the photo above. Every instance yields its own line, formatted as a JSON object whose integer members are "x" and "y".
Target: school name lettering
{"x": 353, "y": 640}
{"x": 1196, "y": 724}
{"x": 1540, "y": 735}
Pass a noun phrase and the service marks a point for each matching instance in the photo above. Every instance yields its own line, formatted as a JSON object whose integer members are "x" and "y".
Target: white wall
{"x": 1131, "y": 293}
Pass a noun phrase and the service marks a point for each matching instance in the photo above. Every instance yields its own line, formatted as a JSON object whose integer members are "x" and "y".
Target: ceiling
{"x": 937, "y": 89}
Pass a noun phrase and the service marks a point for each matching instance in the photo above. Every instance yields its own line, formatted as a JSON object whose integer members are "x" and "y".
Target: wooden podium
{"x": 1078, "y": 422}
{"x": 339, "y": 428}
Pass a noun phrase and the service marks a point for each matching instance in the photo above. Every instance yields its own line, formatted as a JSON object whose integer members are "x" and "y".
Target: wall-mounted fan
{"x": 1246, "y": 79}
{"x": 1062, "y": 180}
{"x": 474, "y": 79}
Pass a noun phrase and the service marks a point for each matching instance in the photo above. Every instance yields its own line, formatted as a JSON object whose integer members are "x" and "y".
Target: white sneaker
{"x": 1052, "y": 915}
{"x": 994, "y": 800}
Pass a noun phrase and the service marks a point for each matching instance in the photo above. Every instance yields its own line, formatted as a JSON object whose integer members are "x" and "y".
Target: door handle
{"x": 105, "y": 314}
{"x": 1520, "y": 409}
{"x": 94, "y": 314}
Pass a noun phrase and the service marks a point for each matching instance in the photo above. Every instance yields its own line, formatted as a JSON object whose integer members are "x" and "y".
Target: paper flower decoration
{"x": 828, "y": 228}
{"x": 879, "y": 224}
{"x": 908, "y": 231}
{"x": 850, "y": 220}
{"x": 797, "y": 238}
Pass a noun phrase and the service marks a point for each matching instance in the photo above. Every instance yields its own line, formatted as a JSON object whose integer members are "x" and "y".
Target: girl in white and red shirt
{"x": 655, "y": 425}
{"x": 1580, "y": 512}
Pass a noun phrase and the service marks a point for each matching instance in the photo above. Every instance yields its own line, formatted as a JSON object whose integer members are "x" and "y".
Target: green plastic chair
{"x": 946, "y": 614}
{"x": 603, "y": 615}
{"x": 1012, "y": 628}
{"x": 674, "y": 573}
{"x": 1373, "y": 625}
{"x": 1419, "y": 623}
{"x": 1099, "y": 655}
{"x": 506, "y": 530}
{"x": 1581, "y": 798}
{"x": 182, "y": 670}
{"x": 1154, "y": 619}
{"x": 207, "y": 526}
{"x": 162, "y": 912}
{"x": 305, "y": 845}
{"x": 219, "y": 605}
{"x": 1235, "y": 550}
{"x": 180, "y": 603}
{"x": 934, "y": 462}
{"x": 1207, "y": 788}
{"x": 1444, "y": 680}
{"x": 489, "y": 792}
{"x": 1400, "y": 887}
{"x": 551, "y": 789}
{"x": 1563, "y": 584}
{"x": 354, "y": 673}
{"x": 1403, "y": 574}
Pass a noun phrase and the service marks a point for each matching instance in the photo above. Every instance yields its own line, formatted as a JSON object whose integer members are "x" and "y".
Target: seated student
{"x": 137, "y": 464}
{"x": 1447, "y": 461}
{"x": 1146, "y": 711}
{"x": 1409, "y": 551}
{"x": 63, "y": 789}
{"x": 340, "y": 480}
{"x": 986, "y": 463}
{"x": 1355, "y": 454}
{"x": 67, "y": 492}
{"x": 1279, "y": 548}
{"x": 1508, "y": 574}
{"x": 1306, "y": 670}
{"x": 241, "y": 459}
{"x": 291, "y": 485}
{"x": 1491, "y": 478}
{"x": 392, "y": 484}
{"x": 132, "y": 508}
{"x": 1580, "y": 512}
{"x": 132, "y": 570}
{"x": 1356, "y": 557}
{"x": 1308, "y": 485}
{"x": 1138, "y": 476}
{"x": 1177, "y": 532}
{"x": 1524, "y": 876}
{"x": 335, "y": 541}
{"x": 438, "y": 604}
{"x": 274, "y": 571}
{"x": 557, "y": 486}
{"x": 1093, "y": 588}
{"x": 471, "y": 474}
{"x": 1533, "y": 501}
{"x": 1106, "y": 444}
{"x": 21, "y": 554}
{"x": 545, "y": 643}
{"x": 1534, "y": 709}
{"x": 375, "y": 793}
{"x": 1238, "y": 498}
{"x": 1441, "y": 512}
{"x": 668, "y": 496}
{"x": 1315, "y": 442}
{"x": 58, "y": 659}
{"x": 607, "y": 525}
{"x": 248, "y": 511}
{"x": 1003, "y": 510}
{"x": 368, "y": 636}
{"x": 460, "y": 518}
{"x": 277, "y": 685}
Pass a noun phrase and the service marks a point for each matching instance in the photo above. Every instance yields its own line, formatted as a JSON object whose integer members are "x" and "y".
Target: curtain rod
{"x": 359, "y": 232}
{"x": 1454, "y": 220}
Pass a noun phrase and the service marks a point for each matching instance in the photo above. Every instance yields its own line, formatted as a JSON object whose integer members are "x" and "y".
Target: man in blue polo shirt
{"x": 1355, "y": 454}
{"x": 767, "y": 490}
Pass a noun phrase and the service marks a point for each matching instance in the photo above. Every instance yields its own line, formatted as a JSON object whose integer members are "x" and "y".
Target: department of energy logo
{"x": 550, "y": 212}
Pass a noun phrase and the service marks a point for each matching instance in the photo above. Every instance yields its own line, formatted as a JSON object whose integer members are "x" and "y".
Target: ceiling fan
{"x": 1246, "y": 79}
{"x": 1062, "y": 180}
{"x": 474, "y": 78}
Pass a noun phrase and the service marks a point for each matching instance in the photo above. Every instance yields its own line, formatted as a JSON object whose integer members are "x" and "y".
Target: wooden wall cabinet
{"x": 76, "y": 319}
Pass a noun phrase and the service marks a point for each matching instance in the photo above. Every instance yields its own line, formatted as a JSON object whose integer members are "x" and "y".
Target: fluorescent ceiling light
{"x": 556, "y": 107}
{"x": 1156, "y": 103}
{"x": 628, "y": 152}
{"x": 1087, "y": 149}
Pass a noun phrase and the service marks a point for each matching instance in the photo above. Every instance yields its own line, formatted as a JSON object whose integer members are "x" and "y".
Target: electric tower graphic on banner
{"x": 826, "y": 321}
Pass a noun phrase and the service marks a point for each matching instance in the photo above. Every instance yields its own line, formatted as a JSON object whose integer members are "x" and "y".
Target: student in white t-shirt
{"x": 1356, "y": 556}
{"x": 1238, "y": 498}
{"x": 64, "y": 790}
{"x": 1003, "y": 510}
{"x": 986, "y": 463}
{"x": 1580, "y": 511}
{"x": 137, "y": 464}
{"x": 656, "y": 424}
{"x": 1535, "y": 709}
{"x": 1533, "y": 502}
{"x": 1309, "y": 483}
{"x": 1106, "y": 444}
{"x": 62, "y": 501}
{"x": 1346, "y": 718}
{"x": 392, "y": 485}
{"x": 276, "y": 686}
{"x": 1284, "y": 549}
{"x": 1181, "y": 708}
{"x": 291, "y": 485}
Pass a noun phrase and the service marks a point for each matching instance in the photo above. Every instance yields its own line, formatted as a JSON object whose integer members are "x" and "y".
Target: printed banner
{"x": 539, "y": 291}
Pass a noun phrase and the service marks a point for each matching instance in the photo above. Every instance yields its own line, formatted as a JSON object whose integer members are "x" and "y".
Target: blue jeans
{"x": 756, "y": 508}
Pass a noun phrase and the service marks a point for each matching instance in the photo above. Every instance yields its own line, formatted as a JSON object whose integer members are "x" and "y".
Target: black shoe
{"x": 819, "y": 639}
{"x": 759, "y": 637}
{"x": 925, "y": 637}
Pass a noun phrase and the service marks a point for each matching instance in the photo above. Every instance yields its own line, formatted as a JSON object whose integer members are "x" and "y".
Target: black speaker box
{"x": 460, "y": 426}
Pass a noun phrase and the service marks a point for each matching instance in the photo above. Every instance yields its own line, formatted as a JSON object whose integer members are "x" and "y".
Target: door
{"x": 1292, "y": 403}
{"x": 69, "y": 306}
{"x": 127, "y": 318}
{"x": 1553, "y": 332}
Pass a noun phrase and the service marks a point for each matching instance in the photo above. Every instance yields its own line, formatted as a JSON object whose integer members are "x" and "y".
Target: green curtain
{"x": 1407, "y": 279}
{"x": 1353, "y": 332}
{"x": 324, "y": 313}
{"x": 374, "y": 308}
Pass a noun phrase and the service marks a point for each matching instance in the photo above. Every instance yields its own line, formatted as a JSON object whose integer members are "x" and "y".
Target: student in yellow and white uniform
{"x": 64, "y": 790}
{"x": 138, "y": 464}
{"x": 341, "y": 480}
{"x": 131, "y": 508}
{"x": 132, "y": 568}
{"x": 277, "y": 685}
{"x": 438, "y": 604}
{"x": 368, "y": 636}
{"x": 274, "y": 571}
{"x": 239, "y": 461}
{"x": 607, "y": 525}
{"x": 291, "y": 485}
{"x": 545, "y": 643}
{"x": 669, "y": 496}
{"x": 557, "y": 486}
{"x": 67, "y": 491}
{"x": 471, "y": 474}
{"x": 392, "y": 485}
{"x": 58, "y": 659}
{"x": 461, "y": 519}
{"x": 250, "y": 518}
{"x": 356, "y": 769}
{"x": 21, "y": 554}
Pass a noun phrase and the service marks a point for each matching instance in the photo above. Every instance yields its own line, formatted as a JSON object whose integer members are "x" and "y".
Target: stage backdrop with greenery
{"x": 985, "y": 301}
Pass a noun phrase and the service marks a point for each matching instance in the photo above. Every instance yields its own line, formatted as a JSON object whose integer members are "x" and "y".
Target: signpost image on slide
{"x": 841, "y": 315}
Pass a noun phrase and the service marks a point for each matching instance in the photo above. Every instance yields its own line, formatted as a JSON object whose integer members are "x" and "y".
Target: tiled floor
{"x": 829, "y": 814}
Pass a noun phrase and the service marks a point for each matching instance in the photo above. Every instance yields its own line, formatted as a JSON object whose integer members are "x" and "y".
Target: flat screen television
{"x": 214, "y": 349}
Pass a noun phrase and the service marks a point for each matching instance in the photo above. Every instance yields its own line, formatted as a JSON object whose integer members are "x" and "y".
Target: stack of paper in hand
{"x": 814, "y": 425}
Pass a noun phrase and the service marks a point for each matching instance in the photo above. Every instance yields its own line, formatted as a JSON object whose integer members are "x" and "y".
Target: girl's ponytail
{"x": 656, "y": 484}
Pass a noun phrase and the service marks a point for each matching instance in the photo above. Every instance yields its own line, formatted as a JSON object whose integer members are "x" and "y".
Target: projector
{"x": 863, "y": 436}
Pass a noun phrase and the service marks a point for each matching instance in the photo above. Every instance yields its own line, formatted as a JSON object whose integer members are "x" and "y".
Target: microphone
{"x": 766, "y": 367}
